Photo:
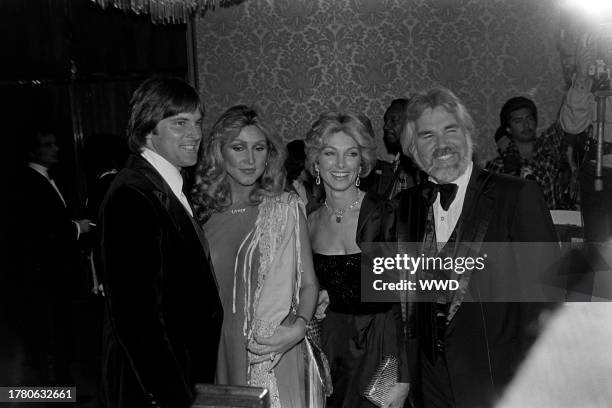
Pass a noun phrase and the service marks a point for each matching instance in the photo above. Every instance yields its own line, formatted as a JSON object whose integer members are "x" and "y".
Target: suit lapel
{"x": 390, "y": 180}
{"x": 366, "y": 212}
{"x": 472, "y": 227}
{"x": 201, "y": 237}
{"x": 475, "y": 214}
{"x": 412, "y": 216}
{"x": 183, "y": 222}
{"x": 50, "y": 190}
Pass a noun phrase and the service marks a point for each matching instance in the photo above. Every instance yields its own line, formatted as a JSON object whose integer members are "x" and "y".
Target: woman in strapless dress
{"x": 356, "y": 336}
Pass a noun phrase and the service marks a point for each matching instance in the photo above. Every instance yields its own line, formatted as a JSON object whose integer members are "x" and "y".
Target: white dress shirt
{"x": 447, "y": 220}
{"x": 170, "y": 174}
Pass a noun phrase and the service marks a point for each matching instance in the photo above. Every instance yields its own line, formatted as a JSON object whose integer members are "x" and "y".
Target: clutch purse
{"x": 383, "y": 380}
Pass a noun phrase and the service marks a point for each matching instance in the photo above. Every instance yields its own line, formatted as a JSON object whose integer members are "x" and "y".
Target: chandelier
{"x": 166, "y": 11}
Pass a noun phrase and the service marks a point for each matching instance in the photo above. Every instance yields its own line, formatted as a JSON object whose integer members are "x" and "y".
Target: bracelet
{"x": 303, "y": 318}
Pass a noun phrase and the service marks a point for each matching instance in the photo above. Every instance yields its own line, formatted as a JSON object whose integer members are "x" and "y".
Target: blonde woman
{"x": 356, "y": 336}
{"x": 261, "y": 256}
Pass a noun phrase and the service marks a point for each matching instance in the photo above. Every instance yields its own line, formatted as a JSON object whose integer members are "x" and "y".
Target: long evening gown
{"x": 226, "y": 232}
{"x": 355, "y": 336}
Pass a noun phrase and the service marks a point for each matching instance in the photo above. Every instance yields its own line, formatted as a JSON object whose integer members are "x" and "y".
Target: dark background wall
{"x": 70, "y": 66}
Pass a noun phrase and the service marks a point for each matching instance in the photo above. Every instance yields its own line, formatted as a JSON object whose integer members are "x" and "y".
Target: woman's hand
{"x": 322, "y": 304}
{"x": 283, "y": 339}
{"x": 397, "y": 395}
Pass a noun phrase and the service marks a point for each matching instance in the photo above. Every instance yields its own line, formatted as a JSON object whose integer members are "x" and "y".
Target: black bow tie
{"x": 447, "y": 192}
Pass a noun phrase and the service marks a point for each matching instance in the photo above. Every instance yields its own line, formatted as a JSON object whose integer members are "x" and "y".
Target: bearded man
{"x": 465, "y": 344}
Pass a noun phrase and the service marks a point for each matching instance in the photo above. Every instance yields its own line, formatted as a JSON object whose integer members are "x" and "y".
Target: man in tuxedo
{"x": 464, "y": 349}
{"x": 163, "y": 312}
{"x": 49, "y": 257}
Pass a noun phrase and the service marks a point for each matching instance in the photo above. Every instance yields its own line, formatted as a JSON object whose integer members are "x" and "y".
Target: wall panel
{"x": 298, "y": 58}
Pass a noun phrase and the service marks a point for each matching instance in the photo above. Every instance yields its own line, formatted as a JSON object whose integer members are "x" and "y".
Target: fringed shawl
{"x": 276, "y": 235}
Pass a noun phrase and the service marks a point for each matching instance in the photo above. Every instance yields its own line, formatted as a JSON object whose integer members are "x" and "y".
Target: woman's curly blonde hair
{"x": 211, "y": 191}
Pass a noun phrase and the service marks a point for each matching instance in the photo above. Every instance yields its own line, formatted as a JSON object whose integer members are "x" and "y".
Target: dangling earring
{"x": 358, "y": 179}
{"x": 318, "y": 179}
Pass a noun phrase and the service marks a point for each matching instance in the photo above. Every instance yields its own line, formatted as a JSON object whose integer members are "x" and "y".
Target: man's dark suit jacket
{"x": 47, "y": 255}
{"x": 484, "y": 342}
{"x": 376, "y": 224}
{"x": 49, "y": 235}
{"x": 383, "y": 177}
{"x": 163, "y": 310}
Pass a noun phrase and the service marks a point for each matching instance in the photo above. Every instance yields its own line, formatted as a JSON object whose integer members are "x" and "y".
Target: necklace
{"x": 340, "y": 213}
{"x": 237, "y": 211}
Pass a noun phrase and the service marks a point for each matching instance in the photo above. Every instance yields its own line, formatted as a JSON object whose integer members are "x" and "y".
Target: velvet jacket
{"x": 163, "y": 315}
{"x": 484, "y": 341}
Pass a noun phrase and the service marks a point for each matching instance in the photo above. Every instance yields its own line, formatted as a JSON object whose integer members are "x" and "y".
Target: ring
{"x": 272, "y": 356}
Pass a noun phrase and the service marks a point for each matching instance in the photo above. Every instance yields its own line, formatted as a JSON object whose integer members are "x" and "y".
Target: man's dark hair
{"x": 401, "y": 103}
{"x": 514, "y": 104}
{"x": 156, "y": 99}
{"x": 29, "y": 144}
{"x": 31, "y": 141}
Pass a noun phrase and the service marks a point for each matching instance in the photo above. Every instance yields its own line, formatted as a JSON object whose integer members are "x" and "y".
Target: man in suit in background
{"x": 163, "y": 311}
{"x": 49, "y": 258}
{"x": 467, "y": 348}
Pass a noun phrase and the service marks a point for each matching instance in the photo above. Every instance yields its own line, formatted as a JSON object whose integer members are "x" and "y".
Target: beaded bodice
{"x": 340, "y": 275}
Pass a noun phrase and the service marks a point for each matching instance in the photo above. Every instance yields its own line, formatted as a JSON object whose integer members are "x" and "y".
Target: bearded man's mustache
{"x": 443, "y": 151}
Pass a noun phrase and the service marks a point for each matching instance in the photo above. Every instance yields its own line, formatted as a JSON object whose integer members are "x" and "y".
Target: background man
{"x": 388, "y": 179}
{"x": 163, "y": 307}
{"x": 50, "y": 259}
{"x": 467, "y": 351}
{"x": 523, "y": 154}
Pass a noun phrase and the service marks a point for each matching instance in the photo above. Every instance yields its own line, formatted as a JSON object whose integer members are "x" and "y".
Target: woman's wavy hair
{"x": 350, "y": 124}
{"x": 211, "y": 191}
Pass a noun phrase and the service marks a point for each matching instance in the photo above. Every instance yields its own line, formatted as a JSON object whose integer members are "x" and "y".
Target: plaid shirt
{"x": 545, "y": 167}
{"x": 403, "y": 180}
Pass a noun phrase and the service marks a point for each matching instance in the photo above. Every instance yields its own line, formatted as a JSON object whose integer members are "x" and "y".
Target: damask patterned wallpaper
{"x": 297, "y": 58}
